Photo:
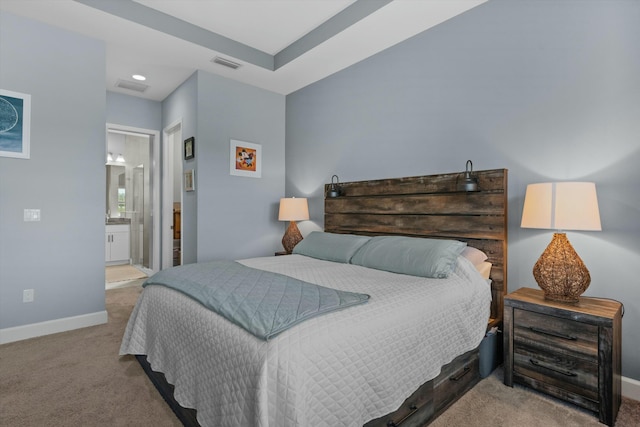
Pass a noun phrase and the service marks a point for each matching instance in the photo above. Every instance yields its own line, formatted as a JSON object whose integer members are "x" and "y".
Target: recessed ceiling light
{"x": 139, "y": 77}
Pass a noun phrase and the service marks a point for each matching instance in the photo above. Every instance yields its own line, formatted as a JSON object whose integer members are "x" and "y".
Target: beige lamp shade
{"x": 292, "y": 210}
{"x": 559, "y": 271}
{"x": 561, "y": 206}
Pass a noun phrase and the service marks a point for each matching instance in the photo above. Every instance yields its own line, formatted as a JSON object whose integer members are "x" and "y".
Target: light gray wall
{"x": 181, "y": 105}
{"x": 549, "y": 90}
{"x": 227, "y": 217}
{"x": 132, "y": 111}
{"x": 62, "y": 256}
{"x": 237, "y": 216}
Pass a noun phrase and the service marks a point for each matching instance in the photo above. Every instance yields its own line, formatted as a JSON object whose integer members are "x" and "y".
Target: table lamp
{"x": 292, "y": 210}
{"x": 560, "y": 272}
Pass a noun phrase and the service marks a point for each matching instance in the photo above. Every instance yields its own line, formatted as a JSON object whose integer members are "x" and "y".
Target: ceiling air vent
{"x": 135, "y": 86}
{"x": 225, "y": 62}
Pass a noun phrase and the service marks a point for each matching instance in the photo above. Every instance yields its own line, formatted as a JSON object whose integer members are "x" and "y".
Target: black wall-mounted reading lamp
{"x": 334, "y": 190}
{"x": 470, "y": 183}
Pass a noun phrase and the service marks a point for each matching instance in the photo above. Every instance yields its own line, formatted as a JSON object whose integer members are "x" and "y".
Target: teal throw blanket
{"x": 261, "y": 302}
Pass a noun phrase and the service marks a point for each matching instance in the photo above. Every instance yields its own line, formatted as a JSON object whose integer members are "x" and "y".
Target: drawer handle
{"x": 534, "y": 362}
{"x": 464, "y": 372}
{"x": 553, "y": 334}
{"x": 392, "y": 423}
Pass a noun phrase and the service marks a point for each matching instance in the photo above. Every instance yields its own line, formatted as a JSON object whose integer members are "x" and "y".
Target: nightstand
{"x": 569, "y": 351}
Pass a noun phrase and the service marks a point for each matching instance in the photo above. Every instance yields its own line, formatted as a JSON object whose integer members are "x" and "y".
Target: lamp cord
{"x": 610, "y": 299}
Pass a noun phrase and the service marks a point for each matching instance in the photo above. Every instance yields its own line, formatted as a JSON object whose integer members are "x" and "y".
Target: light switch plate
{"x": 32, "y": 214}
{"x": 28, "y": 295}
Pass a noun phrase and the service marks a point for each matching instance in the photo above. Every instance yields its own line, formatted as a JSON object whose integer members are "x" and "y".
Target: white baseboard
{"x": 33, "y": 330}
{"x": 631, "y": 388}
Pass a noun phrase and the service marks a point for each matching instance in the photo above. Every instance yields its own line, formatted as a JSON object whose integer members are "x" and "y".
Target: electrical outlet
{"x": 28, "y": 295}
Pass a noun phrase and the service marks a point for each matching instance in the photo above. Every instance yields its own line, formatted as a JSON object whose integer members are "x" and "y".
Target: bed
{"x": 400, "y": 358}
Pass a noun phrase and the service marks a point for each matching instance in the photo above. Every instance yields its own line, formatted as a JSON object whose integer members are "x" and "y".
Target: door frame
{"x": 171, "y": 135}
{"x": 154, "y": 142}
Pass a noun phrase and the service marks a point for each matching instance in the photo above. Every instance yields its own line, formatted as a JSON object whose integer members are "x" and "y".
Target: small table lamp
{"x": 560, "y": 272}
{"x": 292, "y": 210}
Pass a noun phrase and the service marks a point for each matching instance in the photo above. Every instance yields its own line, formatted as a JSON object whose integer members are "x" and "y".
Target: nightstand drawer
{"x": 554, "y": 334}
{"x": 568, "y": 373}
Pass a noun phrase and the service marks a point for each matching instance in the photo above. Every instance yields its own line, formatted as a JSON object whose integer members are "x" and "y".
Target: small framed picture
{"x": 189, "y": 180}
{"x": 245, "y": 159}
{"x": 189, "y": 148}
{"x": 15, "y": 124}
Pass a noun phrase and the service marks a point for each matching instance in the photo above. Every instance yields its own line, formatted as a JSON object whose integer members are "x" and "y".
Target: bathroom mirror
{"x": 116, "y": 205}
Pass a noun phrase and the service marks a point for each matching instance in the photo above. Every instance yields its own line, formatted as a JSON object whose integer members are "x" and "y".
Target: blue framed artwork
{"x": 15, "y": 124}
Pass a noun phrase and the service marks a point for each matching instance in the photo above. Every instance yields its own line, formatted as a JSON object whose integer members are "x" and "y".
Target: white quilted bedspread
{"x": 339, "y": 369}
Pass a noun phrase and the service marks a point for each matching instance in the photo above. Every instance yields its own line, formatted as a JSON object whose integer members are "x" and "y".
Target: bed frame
{"x": 432, "y": 207}
{"x": 422, "y": 206}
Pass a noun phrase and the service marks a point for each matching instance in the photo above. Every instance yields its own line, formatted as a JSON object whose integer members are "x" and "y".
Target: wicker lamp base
{"x": 291, "y": 237}
{"x": 560, "y": 272}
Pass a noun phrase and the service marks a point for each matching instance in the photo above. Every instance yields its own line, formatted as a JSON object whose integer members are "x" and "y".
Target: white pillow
{"x": 476, "y": 256}
{"x": 485, "y": 269}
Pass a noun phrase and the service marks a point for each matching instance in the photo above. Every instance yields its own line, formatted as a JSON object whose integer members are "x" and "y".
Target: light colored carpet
{"x": 492, "y": 404}
{"x": 76, "y": 378}
{"x": 122, "y": 273}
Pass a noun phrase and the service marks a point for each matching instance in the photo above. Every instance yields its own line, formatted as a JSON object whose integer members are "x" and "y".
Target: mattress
{"x": 343, "y": 368}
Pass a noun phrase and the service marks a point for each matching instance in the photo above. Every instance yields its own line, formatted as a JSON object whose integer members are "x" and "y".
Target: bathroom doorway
{"x": 133, "y": 199}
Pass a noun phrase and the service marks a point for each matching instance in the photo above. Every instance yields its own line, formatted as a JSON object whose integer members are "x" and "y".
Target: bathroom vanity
{"x": 117, "y": 242}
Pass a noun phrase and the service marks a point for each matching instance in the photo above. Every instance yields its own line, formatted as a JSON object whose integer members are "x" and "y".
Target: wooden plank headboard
{"x": 431, "y": 206}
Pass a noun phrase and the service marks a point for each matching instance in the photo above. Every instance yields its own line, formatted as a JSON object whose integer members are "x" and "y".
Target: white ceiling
{"x": 267, "y": 27}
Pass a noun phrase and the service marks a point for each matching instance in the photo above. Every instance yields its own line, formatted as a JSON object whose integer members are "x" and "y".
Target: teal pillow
{"x": 433, "y": 258}
{"x": 329, "y": 246}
